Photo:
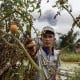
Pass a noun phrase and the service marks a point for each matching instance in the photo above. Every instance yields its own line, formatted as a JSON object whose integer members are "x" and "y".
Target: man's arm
{"x": 57, "y": 67}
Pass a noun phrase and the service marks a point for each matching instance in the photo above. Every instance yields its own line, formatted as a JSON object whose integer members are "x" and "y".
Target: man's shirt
{"x": 49, "y": 62}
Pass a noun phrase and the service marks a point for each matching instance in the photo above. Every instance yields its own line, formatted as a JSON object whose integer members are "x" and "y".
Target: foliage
{"x": 64, "y": 5}
{"x": 18, "y": 12}
{"x": 7, "y": 65}
{"x": 70, "y": 57}
{"x": 68, "y": 41}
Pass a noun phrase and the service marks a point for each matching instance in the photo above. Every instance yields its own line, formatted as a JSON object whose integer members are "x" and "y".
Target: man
{"x": 48, "y": 57}
{"x": 30, "y": 71}
{"x": 31, "y": 47}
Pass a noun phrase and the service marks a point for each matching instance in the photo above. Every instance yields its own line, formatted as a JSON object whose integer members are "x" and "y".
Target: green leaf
{"x": 21, "y": 28}
{"x": 54, "y": 6}
{"x": 38, "y": 6}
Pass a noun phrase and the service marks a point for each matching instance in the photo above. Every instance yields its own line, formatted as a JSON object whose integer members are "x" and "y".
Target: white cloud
{"x": 48, "y": 17}
{"x": 75, "y": 5}
{"x": 64, "y": 22}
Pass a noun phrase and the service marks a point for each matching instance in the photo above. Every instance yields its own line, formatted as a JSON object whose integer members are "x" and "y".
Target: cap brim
{"x": 47, "y": 31}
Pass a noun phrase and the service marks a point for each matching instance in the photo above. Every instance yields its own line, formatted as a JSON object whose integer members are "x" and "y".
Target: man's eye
{"x": 45, "y": 36}
{"x": 50, "y": 36}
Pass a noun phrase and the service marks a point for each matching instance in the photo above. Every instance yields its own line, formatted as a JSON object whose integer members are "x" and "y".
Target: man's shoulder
{"x": 40, "y": 52}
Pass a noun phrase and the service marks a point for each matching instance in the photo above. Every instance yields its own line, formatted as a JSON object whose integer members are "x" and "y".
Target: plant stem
{"x": 29, "y": 57}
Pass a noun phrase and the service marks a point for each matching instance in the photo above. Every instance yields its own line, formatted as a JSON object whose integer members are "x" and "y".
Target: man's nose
{"x": 47, "y": 38}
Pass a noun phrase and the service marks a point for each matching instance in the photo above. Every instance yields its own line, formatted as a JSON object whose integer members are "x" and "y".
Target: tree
{"x": 68, "y": 41}
{"x": 19, "y": 12}
{"x": 16, "y": 13}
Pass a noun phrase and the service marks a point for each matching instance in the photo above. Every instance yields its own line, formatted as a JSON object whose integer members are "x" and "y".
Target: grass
{"x": 70, "y": 57}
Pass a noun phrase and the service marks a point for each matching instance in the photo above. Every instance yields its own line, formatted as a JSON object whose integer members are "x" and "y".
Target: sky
{"x": 63, "y": 23}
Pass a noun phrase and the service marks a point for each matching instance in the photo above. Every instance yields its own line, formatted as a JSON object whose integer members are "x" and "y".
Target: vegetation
{"x": 76, "y": 75}
{"x": 16, "y": 17}
{"x": 70, "y": 57}
{"x": 68, "y": 41}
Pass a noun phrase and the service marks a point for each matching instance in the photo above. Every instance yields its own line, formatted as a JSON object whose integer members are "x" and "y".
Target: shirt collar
{"x": 47, "y": 52}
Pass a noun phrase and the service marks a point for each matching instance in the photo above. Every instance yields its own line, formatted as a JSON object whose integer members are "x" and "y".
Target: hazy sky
{"x": 62, "y": 23}
{"x": 75, "y": 4}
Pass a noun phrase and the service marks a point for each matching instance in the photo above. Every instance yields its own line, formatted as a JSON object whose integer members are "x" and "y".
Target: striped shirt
{"x": 49, "y": 62}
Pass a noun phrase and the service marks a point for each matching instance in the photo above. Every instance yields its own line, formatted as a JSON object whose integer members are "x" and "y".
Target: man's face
{"x": 32, "y": 50}
{"x": 31, "y": 47}
{"x": 48, "y": 40}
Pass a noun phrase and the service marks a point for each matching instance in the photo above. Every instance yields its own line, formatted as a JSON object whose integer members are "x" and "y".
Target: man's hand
{"x": 57, "y": 77}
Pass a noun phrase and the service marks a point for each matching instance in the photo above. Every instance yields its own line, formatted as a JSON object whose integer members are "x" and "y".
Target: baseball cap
{"x": 48, "y": 29}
